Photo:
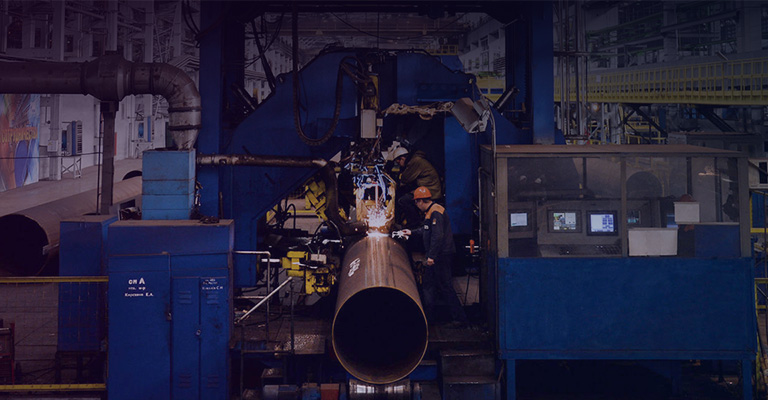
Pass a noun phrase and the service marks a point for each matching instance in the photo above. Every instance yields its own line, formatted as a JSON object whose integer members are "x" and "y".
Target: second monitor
{"x": 602, "y": 223}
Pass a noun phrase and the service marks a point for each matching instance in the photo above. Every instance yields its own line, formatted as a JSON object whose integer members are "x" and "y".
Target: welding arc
{"x": 379, "y": 330}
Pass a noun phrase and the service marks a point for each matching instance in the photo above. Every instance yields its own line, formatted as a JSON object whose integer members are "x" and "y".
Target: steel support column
{"x": 221, "y": 51}
{"x": 108, "y": 110}
{"x": 529, "y": 49}
{"x": 540, "y": 65}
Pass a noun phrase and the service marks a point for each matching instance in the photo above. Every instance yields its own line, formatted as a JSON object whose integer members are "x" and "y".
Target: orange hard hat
{"x": 421, "y": 192}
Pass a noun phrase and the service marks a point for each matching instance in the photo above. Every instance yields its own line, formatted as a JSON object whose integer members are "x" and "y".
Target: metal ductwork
{"x": 111, "y": 78}
{"x": 30, "y": 238}
{"x": 379, "y": 329}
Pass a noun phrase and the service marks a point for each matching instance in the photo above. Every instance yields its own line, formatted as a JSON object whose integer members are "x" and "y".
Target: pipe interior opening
{"x": 21, "y": 245}
{"x": 380, "y": 334}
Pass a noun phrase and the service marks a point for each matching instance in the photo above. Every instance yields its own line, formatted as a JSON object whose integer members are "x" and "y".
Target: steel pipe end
{"x": 22, "y": 245}
{"x": 379, "y": 334}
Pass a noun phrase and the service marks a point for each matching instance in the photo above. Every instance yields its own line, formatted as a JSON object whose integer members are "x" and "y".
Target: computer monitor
{"x": 564, "y": 221}
{"x": 522, "y": 221}
{"x": 633, "y": 217}
{"x": 602, "y": 223}
{"x": 518, "y": 219}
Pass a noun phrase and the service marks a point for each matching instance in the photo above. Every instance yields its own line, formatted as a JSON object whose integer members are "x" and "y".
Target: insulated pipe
{"x": 111, "y": 78}
{"x": 379, "y": 330}
{"x": 29, "y": 238}
{"x": 260, "y": 161}
{"x": 327, "y": 174}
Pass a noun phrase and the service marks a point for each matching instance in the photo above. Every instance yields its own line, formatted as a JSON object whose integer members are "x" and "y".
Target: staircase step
{"x": 470, "y": 387}
{"x": 462, "y": 362}
{"x": 272, "y": 376}
{"x": 426, "y": 391}
{"x": 425, "y": 371}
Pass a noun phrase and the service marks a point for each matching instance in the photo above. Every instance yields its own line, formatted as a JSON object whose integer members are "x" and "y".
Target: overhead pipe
{"x": 110, "y": 78}
{"x": 379, "y": 330}
{"x": 30, "y": 238}
{"x": 260, "y": 161}
{"x": 327, "y": 174}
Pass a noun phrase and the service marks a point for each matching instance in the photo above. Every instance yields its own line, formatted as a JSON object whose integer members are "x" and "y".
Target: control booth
{"x": 622, "y": 252}
{"x": 614, "y": 201}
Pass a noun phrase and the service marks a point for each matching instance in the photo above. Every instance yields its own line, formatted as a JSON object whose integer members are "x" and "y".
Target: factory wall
{"x": 87, "y": 110}
{"x": 483, "y": 51}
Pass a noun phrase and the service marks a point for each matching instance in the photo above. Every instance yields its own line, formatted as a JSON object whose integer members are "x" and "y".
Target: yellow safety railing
{"x": 78, "y": 387}
{"x": 736, "y": 82}
{"x": 491, "y": 87}
{"x": 54, "y": 279}
{"x": 445, "y": 50}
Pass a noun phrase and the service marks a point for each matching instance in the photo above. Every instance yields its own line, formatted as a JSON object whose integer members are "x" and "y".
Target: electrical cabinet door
{"x": 200, "y": 337}
{"x": 139, "y": 327}
{"x": 215, "y": 320}
{"x": 186, "y": 333}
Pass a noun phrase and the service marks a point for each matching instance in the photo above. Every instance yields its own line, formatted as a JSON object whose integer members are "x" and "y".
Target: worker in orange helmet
{"x": 440, "y": 248}
{"x": 415, "y": 171}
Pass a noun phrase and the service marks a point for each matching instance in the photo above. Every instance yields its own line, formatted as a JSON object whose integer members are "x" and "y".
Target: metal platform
{"x": 735, "y": 82}
{"x": 310, "y": 336}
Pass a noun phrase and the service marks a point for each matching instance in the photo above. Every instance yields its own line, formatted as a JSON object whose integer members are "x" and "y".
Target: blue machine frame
{"x": 406, "y": 78}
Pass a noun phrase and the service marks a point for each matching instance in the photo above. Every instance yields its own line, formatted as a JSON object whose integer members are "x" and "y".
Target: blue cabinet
{"x": 170, "y": 310}
{"x": 82, "y": 316}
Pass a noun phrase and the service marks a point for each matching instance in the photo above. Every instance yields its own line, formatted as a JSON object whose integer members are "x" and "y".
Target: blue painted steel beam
{"x": 541, "y": 63}
{"x": 221, "y": 57}
{"x": 529, "y": 48}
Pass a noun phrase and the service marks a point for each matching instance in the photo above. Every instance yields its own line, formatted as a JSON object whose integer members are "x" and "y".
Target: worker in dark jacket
{"x": 440, "y": 249}
{"x": 415, "y": 171}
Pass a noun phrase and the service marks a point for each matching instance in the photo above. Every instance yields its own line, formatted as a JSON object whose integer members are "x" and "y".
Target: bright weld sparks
{"x": 377, "y": 218}
{"x": 377, "y": 234}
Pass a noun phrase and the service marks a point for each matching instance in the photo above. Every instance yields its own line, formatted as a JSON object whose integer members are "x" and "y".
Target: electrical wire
{"x": 189, "y": 21}
{"x": 275, "y": 35}
{"x": 344, "y": 67}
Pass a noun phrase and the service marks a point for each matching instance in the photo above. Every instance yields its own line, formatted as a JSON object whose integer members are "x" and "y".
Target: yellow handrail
{"x": 54, "y": 279}
{"x": 736, "y": 82}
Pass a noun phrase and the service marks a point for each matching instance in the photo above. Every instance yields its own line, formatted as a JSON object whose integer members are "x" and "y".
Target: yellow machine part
{"x": 316, "y": 280}
{"x": 315, "y": 195}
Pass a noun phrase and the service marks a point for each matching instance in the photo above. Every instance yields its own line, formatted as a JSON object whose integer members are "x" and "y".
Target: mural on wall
{"x": 19, "y": 123}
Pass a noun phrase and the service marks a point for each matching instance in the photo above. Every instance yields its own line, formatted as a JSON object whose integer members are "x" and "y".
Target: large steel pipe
{"x": 29, "y": 238}
{"x": 379, "y": 329}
